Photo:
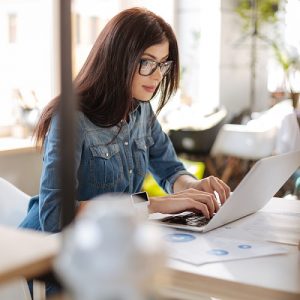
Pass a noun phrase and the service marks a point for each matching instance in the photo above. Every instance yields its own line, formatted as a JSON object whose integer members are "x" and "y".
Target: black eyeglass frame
{"x": 168, "y": 63}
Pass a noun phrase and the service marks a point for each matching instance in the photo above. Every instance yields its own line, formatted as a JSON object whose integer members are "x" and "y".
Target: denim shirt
{"x": 113, "y": 159}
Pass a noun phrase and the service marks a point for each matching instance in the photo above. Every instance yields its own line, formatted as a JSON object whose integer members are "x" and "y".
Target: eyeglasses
{"x": 148, "y": 67}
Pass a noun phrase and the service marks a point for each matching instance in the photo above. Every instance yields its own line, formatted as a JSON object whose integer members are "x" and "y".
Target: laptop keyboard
{"x": 191, "y": 219}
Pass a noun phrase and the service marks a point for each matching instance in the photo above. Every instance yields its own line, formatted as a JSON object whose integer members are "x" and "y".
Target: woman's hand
{"x": 192, "y": 195}
{"x": 212, "y": 184}
{"x": 187, "y": 200}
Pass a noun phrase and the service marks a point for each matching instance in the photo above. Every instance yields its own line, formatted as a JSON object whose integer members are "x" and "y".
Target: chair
{"x": 13, "y": 204}
{"x": 274, "y": 132}
{"x": 198, "y": 141}
{"x": 245, "y": 142}
{"x": 13, "y": 209}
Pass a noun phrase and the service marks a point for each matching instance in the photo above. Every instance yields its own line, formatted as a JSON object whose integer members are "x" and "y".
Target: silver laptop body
{"x": 259, "y": 185}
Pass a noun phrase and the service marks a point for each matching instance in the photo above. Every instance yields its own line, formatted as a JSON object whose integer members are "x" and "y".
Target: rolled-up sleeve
{"x": 163, "y": 161}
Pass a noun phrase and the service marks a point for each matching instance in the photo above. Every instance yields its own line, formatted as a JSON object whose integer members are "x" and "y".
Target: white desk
{"x": 274, "y": 277}
{"x": 271, "y": 277}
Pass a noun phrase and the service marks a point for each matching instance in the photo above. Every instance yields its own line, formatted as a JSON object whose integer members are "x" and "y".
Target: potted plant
{"x": 255, "y": 14}
{"x": 258, "y": 11}
{"x": 289, "y": 60}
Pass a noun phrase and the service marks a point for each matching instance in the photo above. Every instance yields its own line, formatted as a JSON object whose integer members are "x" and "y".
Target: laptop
{"x": 259, "y": 185}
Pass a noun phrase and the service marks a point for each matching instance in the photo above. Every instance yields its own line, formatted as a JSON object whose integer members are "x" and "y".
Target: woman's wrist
{"x": 153, "y": 206}
{"x": 191, "y": 184}
{"x": 184, "y": 182}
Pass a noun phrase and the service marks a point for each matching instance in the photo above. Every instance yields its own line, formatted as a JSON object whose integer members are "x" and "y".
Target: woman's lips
{"x": 149, "y": 88}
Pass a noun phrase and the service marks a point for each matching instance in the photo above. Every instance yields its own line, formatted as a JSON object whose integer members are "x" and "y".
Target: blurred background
{"x": 240, "y": 66}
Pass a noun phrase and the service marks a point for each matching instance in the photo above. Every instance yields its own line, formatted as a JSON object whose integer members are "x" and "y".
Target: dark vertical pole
{"x": 67, "y": 116}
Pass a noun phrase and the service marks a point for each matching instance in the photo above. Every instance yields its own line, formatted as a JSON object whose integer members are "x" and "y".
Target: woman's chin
{"x": 143, "y": 99}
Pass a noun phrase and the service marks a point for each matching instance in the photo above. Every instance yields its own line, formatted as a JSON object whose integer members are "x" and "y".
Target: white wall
{"x": 198, "y": 24}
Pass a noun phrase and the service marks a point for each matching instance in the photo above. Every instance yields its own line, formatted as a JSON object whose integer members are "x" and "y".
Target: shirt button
{"x": 126, "y": 143}
{"x": 130, "y": 171}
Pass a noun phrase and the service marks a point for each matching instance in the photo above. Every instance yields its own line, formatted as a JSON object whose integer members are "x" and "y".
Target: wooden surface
{"x": 25, "y": 253}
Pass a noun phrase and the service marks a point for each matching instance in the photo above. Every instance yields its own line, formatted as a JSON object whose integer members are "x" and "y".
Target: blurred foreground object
{"x": 110, "y": 252}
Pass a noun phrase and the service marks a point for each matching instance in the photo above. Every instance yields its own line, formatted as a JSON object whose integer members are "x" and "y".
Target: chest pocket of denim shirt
{"x": 141, "y": 154}
{"x": 106, "y": 166}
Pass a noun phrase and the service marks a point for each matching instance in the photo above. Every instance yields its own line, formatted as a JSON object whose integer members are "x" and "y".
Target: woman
{"x": 119, "y": 138}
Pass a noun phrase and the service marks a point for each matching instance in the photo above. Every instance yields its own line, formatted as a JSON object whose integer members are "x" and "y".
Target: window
{"x": 90, "y": 18}
{"x": 26, "y": 59}
{"x": 289, "y": 43}
{"x": 78, "y": 29}
{"x": 199, "y": 45}
{"x": 12, "y": 28}
{"x": 94, "y": 28}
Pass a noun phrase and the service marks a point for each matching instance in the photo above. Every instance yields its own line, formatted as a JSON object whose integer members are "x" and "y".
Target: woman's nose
{"x": 157, "y": 74}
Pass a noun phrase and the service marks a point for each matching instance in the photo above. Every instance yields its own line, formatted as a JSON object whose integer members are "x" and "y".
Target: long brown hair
{"x": 103, "y": 85}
